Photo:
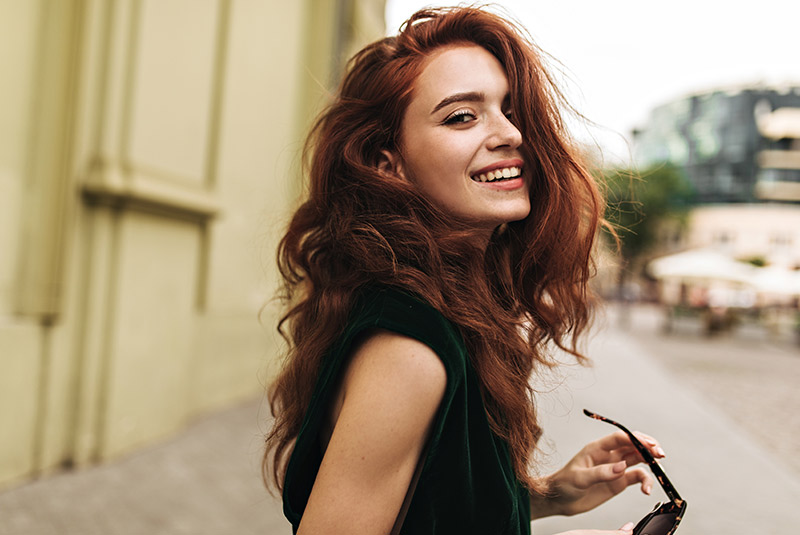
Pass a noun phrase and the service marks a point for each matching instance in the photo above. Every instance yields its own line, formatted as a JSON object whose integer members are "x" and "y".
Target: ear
{"x": 390, "y": 163}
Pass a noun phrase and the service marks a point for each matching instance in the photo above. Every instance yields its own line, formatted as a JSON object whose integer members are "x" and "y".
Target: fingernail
{"x": 627, "y": 527}
{"x": 660, "y": 451}
{"x": 647, "y": 489}
{"x": 619, "y": 467}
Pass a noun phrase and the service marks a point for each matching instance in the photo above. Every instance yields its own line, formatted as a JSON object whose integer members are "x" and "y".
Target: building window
{"x": 723, "y": 239}
{"x": 779, "y": 175}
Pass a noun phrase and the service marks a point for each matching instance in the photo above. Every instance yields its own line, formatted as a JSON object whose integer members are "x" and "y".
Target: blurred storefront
{"x": 737, "y": 262}
{"x": 149, "y": 156}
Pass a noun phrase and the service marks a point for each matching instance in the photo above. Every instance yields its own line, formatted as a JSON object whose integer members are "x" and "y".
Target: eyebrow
{"x": 470, "y": 96}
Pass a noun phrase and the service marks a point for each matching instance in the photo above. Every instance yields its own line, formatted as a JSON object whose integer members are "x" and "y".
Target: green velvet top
{"x": 467, "y": 484}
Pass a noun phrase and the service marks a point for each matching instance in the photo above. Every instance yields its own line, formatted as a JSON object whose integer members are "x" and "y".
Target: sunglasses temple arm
{"x": 662, "y": 478}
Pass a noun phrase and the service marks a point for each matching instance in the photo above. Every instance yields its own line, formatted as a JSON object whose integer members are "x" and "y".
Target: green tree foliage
{"x": 757, "y": 261}
{"x": 639, "y": 203}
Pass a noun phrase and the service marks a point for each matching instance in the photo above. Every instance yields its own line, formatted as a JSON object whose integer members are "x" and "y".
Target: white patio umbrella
{"x": 776, "y": 280}
{"x": 706, "y": 265}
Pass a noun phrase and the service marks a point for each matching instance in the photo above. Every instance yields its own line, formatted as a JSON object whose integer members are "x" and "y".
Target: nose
{"x": 504, "y": 134}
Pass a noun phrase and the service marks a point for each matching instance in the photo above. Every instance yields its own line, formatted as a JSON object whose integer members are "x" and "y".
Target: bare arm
{"x": 390, "y": 393}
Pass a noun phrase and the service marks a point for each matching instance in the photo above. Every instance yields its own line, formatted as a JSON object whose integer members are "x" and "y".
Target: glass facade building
{"x": 739, "y": 145}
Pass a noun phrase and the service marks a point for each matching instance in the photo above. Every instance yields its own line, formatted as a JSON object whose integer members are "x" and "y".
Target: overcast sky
{"x": 624, "y": 57}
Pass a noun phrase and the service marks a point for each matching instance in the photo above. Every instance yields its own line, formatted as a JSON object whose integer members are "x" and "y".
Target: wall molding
{"x": 127, "y": 187}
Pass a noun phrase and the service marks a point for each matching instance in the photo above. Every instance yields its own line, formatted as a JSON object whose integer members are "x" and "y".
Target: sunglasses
{"x": 664, "y": 519}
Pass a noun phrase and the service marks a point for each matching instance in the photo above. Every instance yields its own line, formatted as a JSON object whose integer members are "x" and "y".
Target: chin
{"x": 518, "y": 215}
{"x": 511, "y": 218}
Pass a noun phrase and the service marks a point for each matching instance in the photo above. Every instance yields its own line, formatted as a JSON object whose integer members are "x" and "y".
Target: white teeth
{"x": 506, "y": 172}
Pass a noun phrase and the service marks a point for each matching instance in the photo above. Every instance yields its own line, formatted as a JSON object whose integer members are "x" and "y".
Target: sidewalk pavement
{"x": 207, "y": 480}
{"x": 204, "y": 482}
{"x": 732, "y": 485}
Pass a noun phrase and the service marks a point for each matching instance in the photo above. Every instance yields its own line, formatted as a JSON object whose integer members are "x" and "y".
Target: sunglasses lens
{"x": 660, "y": 524}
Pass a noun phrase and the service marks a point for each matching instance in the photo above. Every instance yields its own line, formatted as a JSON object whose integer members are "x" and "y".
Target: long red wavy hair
{"x": 360, "y": 225}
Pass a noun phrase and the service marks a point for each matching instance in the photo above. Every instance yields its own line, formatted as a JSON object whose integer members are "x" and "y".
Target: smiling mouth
{"x": 504, "y": 173}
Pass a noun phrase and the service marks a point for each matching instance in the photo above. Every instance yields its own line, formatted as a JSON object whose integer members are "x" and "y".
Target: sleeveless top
{"x": 467, "y": 484}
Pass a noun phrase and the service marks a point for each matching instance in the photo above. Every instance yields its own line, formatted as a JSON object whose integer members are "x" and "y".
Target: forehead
{"x": 460, "y": 68}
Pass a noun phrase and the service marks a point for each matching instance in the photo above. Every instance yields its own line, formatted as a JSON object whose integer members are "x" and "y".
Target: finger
{"x": 602, "y": 473}
{"x": 639, "y": 475}
{"x": 614, "y": 441}
{"x": 631, "y": 454}
{"x": 632, "y": 458}
{"x": 620, "y": 439}
{"x": 651, "y": 443}
{"x": 624, "y": 530}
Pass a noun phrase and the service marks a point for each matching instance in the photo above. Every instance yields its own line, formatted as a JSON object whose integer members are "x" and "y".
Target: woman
{"x": 444, "y": 246}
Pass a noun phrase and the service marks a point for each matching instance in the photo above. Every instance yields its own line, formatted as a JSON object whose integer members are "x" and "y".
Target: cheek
{"x": 426, "y": 162}
{"x": 438, "y": 176}
{"x": 438, "y": 162}
{"x": 442, "y": 158}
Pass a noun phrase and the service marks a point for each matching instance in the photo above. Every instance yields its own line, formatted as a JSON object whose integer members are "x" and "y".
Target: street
{"x": 724, "y": 409}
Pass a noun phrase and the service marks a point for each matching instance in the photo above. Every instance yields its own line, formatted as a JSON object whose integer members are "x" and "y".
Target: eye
{"x": 460, "y": 117}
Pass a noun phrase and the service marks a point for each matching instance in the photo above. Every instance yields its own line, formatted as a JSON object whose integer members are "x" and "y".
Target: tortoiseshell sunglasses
{"x": 664, "y": 519}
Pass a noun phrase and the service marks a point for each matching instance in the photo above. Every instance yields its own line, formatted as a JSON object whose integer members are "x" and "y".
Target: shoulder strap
{"x": 401, "y": 515}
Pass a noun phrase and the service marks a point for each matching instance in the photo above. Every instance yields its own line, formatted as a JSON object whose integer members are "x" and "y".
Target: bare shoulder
{"x": 398, "y": 362}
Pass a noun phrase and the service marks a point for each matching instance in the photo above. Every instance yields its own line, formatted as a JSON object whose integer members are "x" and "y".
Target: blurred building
{"x": 761, "y": 232}
{"x": 735, "y": 145}
{"x": 740, "y": 150}
{"x": 149, "y": 156}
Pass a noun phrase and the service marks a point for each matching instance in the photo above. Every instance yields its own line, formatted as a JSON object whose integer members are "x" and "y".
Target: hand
{"x": 600, "y": 471}
{"x": 627, "y": 529}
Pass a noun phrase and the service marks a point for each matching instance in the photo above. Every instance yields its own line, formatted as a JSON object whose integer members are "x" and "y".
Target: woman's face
{"x": 457, "y": 141}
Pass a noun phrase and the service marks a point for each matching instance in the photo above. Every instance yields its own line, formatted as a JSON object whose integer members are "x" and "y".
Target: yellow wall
{"x": 149, "y": 156}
